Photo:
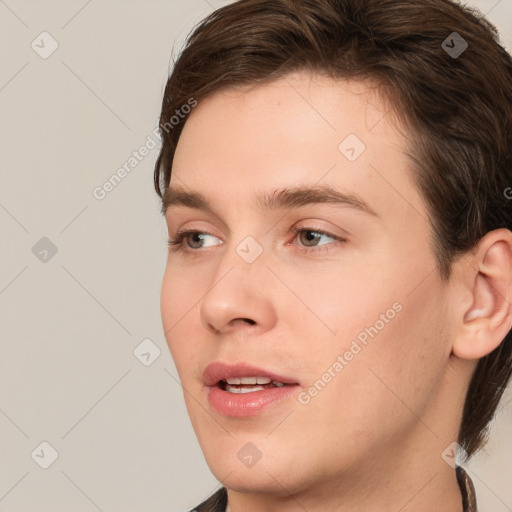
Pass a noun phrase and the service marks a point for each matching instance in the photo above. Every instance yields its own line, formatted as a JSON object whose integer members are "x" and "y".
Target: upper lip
{"x": 217, "y": 371}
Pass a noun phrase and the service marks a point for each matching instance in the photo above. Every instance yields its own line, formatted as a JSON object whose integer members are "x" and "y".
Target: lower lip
{"x": 247, "y": 404}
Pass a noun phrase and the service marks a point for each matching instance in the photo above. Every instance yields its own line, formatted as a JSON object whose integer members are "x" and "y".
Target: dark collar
{"x": 215, "y": 503}
{"x": 467, "y": 490}
{"x": 218, "y": 501}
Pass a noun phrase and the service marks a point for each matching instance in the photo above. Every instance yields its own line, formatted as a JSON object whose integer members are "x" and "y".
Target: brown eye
{"x": 194, "y": 237}
{"x": 176, "y": 243}
{"x": 308, "y": 239}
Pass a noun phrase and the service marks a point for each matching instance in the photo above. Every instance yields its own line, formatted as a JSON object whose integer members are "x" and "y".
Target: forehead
{"x": 297, "y": 130}
{"x": 332, "y": 105}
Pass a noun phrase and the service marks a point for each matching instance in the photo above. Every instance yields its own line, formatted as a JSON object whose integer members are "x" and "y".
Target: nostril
{"x": 213, "y": 329}
{"x": 236, "y": 321}
{"x": 233, "y": 322}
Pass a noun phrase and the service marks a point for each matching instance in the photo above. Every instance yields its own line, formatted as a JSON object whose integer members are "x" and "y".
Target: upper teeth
{"x": 249, "y": 380}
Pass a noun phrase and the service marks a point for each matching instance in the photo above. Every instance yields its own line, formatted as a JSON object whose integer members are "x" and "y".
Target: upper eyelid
{"x": 174, "y": 213}
{"x": 304, "y": 224}
{"x": 299, "y": 226}
{"x": 183, "y": 232}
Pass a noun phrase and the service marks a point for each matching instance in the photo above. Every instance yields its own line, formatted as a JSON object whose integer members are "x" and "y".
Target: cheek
{"x": 391, "y": 341}
{"x": 177, "y": 299}
{"x": 392, "y": 365}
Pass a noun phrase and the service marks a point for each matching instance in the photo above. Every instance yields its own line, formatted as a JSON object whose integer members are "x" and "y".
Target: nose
{"x": 240, "y": 297}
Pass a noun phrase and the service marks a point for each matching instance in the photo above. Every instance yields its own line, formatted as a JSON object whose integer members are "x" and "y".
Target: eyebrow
{"x": 289, "y": 197}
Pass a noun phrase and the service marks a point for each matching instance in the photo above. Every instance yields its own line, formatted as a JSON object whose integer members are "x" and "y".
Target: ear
{"x": 488, "y": 318}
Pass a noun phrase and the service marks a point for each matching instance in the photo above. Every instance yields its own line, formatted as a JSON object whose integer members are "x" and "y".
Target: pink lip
{"x": 217, "y": 371}
{"x": 244, "y": 404}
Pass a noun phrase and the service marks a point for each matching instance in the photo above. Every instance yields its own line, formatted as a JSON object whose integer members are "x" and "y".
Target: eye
{"x": 312, "y": 239}
{"x": 177, "y": 242}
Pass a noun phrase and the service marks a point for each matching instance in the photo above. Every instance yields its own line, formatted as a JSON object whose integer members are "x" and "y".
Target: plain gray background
{"x": 75, "y": 305}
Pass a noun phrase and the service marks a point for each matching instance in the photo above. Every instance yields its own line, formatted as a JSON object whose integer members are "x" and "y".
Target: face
{"x": 339, "y": 298}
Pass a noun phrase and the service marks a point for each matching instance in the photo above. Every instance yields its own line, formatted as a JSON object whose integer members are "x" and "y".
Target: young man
{"x": 342, "y": 370}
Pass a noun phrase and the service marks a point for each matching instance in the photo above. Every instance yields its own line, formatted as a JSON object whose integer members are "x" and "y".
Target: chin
{"x": 241, "y": 466}
{"x": 273, "y": 483}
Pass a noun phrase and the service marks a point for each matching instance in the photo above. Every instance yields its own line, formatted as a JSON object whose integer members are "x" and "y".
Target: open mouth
{"x": 242, "y": 390}
{"x": 249, "y": 384}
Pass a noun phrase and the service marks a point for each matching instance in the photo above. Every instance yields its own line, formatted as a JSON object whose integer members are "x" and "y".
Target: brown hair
{"x": 457, "y": 108}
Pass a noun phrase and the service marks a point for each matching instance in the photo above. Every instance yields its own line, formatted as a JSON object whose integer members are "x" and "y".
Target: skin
{"x": 372, "y": 439}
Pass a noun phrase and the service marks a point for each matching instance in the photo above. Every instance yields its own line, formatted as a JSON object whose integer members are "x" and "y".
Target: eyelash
{"x": 176, "y": 243}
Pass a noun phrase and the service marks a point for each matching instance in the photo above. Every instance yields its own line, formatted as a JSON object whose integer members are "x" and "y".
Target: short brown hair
{"x": 457, "y": 108}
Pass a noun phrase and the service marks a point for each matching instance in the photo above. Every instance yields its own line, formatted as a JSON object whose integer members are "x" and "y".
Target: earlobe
{"x": 488, "y": 319}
